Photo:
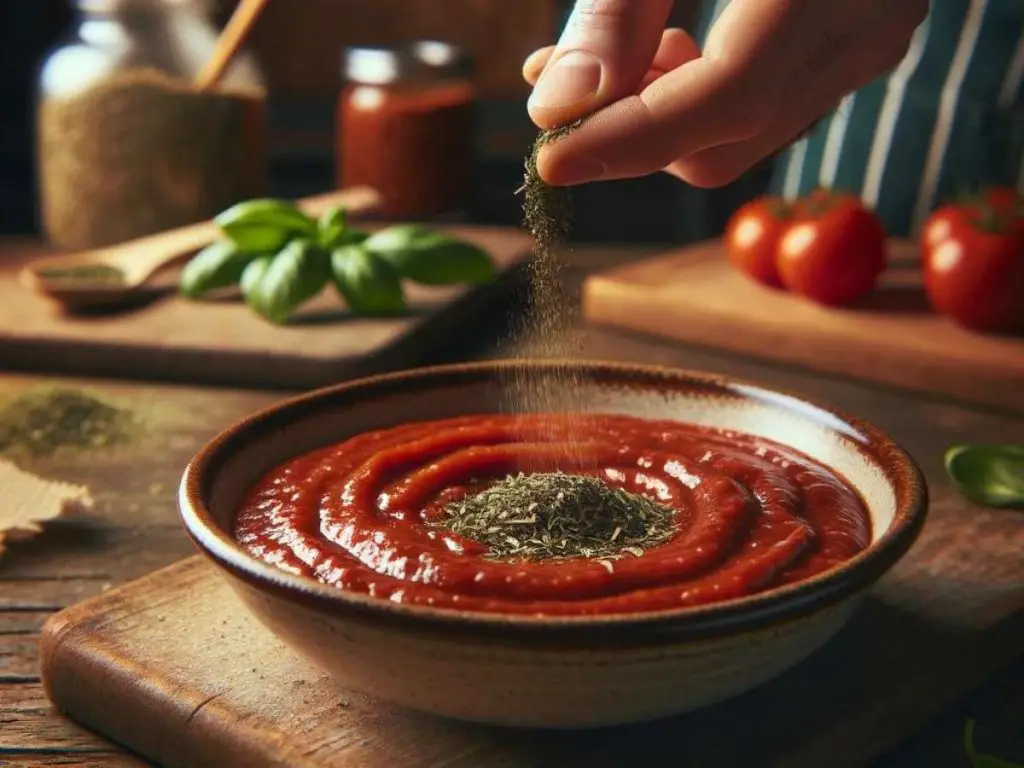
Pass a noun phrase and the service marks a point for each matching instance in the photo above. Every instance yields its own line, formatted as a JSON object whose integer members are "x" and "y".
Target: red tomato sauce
{"x": 752, "y": 514}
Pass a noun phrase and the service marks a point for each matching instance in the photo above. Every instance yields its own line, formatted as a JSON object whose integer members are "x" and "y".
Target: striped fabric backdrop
{"x": 949, "y": 118}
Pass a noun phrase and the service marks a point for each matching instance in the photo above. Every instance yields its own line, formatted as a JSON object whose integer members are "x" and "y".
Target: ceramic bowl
{"x": 551, "y": 672}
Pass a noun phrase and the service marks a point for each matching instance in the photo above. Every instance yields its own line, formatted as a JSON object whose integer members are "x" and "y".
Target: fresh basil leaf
{"x": 429, "y": 257}
{"x": 264, "y": 225}
{"x": 218, "y": 265}
{"x": 443, "y": 262}
{"x": 979, "y": 760}
{"x": 368, "y": 283}
{"x": 250, "y": 281}
{"x": 333, "y": 230}
{"x": 331, "y": 226}
{"x": 352, "y": 237}
{"x": 292, "y": 277}
{"x": 400, "y": 237}
{"x": 988, "y": 475}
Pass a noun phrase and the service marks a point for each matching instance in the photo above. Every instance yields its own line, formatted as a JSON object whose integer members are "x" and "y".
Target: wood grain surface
{"x": 175, "y": 668}
{"x": 133, "y": 530}
{"x": 224, "y": 342}
{"x": 695, "y": 296}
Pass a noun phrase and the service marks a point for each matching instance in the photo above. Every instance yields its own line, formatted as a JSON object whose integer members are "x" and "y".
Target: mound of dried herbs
{"x": 560, "y": 516}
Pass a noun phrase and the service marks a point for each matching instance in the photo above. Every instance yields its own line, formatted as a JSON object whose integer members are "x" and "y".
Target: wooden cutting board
{"x": 173, "y": 667}
{"x": 223, "y": 342}
{"x": 694, "y": 295}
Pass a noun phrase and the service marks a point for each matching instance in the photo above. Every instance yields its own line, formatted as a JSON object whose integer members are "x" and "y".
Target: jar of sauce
{"x": 405, "y": 127}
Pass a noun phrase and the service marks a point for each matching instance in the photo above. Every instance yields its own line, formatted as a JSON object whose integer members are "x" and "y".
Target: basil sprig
{"x": 988, "y": 475}
{"x": 281, "y": 258}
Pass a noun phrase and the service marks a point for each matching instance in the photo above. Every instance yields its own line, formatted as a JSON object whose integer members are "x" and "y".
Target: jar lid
{"x": 442, "y": 58}
{"x": 375, "y": 66}
{"x": 421, "y": 59}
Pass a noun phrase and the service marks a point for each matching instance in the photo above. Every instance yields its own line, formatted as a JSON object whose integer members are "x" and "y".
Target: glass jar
{"x": 126, "y": 145}
{"x": 405, "y": 127}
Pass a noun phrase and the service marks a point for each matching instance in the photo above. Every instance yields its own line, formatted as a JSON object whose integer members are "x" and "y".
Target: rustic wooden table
{"x": 133, "y": 530}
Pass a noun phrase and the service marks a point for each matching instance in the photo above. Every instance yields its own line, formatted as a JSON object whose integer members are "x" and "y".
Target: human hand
{"x": 654, "y": 101}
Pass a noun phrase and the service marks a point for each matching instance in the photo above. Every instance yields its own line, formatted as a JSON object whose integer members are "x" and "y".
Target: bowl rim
{"x": 773, "y": 606}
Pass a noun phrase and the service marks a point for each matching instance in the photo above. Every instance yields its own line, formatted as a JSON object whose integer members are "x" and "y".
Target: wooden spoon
{"x": 118, "y": 273}
{"x": 229, "y": 42}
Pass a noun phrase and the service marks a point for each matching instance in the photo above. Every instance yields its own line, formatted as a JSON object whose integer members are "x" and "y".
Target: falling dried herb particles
{"x": 549, "y": 331}
{"x": 44, "y": 420}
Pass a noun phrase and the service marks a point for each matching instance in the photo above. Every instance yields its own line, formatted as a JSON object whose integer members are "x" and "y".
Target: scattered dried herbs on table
{"x": 44, "y": 420}
{"x": 559, "y": 516}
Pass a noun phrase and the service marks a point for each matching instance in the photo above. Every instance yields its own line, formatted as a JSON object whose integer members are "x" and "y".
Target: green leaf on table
{"x": 979, "y": 760}
{"x": 218, "y": 265}
{"x": 264, "y": 225}
{"x": 368, "y": 283}
{"x": 287, "y": 280}
{"x": 429, "y": 257}
{"x": 988, "y": 475}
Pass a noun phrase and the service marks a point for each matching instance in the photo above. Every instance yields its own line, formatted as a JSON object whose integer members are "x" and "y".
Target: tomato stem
{"x": 820, "y": 201}
{"x": 779, "y": 209}
{"x": 990, "y": 219}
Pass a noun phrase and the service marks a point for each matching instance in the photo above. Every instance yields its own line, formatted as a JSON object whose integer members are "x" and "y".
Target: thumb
{"x": 603, "y": 54}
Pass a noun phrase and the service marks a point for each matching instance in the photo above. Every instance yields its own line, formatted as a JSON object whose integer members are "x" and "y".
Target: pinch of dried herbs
{"x": 41, "y": 421}
{"x": 547, "y": 210}
{"x": 557, "y": 516}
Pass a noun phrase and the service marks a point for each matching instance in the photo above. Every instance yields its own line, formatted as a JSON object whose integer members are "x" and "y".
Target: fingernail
{"x": 577, "y": 169}
{"x": 572, "y": 78}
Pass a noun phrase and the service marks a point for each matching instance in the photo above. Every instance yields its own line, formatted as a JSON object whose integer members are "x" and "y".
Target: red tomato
{"x": 993, "y": 201}
{"x": 973, "y": 255}
{"x": 1005, "y": 199}
{"x": 834, "y": 252}
{"x": 752, "y": 238}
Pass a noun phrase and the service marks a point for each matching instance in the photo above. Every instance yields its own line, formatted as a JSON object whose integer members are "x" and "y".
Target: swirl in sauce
{"x": 752, "y": 514}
